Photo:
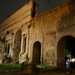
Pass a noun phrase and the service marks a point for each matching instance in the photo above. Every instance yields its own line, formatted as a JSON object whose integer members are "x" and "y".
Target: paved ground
{"x": 30, "y": 70}
{"x": 45, "y": 73}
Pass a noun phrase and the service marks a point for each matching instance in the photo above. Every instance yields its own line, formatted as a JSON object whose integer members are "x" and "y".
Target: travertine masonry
{"x": 42, "y": 37}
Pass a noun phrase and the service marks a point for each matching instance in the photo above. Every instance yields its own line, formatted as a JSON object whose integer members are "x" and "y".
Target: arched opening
{"x": 8, "y": 48}
{"x": 36, "y": 53}
{"x": 65, "y": 47}
{"x": 17, "y": 46}
{"x": 24, "y": 43}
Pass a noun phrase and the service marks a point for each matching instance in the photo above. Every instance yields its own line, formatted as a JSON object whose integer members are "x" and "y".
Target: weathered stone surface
{"x": 41, "y": 32}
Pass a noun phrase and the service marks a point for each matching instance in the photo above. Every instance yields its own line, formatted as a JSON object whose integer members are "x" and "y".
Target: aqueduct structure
{"x": 45, "y": 38}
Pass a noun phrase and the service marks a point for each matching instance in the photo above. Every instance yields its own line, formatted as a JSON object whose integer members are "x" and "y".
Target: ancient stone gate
{"x": 45, "y": 38}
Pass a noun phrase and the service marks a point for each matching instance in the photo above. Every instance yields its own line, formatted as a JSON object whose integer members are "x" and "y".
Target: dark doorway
{"x": 8, "y": 49}
{"x": 17, "y": 46}
{"x": 36, "y": 53}
{"x": 65, "y": 47}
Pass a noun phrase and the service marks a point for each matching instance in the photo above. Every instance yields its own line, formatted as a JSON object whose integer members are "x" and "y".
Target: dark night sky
{"x": 8, "y": 7}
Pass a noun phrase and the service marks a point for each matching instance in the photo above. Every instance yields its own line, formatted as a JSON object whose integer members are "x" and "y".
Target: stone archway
{"x": 36, "y": 53}
{"x": 7, "y": 48}
{"x": 65, "y": 47}
{"x": 17, "y": 45}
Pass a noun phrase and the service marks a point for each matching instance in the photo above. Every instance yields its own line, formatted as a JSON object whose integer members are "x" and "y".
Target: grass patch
{"x": 42, "y": 66}
{"x": 46, "y": 67}
{"x": 72, "y": 64}
{"x": 9, "y": 67}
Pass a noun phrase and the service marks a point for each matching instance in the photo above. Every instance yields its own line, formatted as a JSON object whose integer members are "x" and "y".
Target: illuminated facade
{"x": 42, "y": 37}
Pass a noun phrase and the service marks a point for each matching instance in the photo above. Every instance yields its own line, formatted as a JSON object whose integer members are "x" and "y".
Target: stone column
{"x": 0, "y": 53}
{"x": 28, "y": 40}
{"x": 12, "y": 47}
{"x": 21, "y": 45}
